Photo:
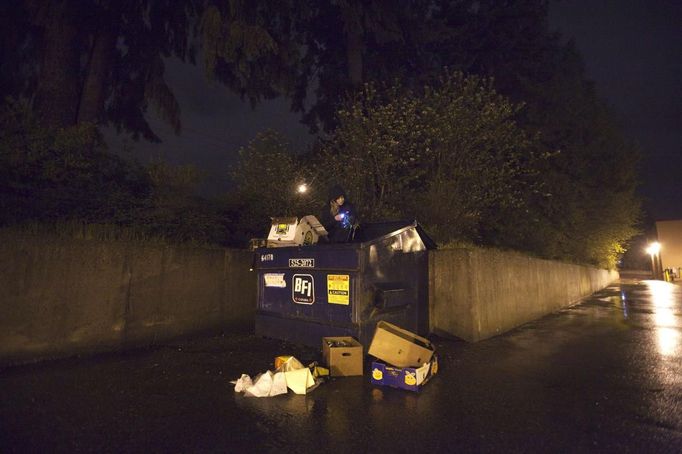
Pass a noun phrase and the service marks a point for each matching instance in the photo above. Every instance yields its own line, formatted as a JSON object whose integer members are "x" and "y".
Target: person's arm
{"x": 326, "y": 219}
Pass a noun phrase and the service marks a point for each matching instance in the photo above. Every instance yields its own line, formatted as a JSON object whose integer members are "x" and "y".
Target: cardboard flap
{"x": 405, "y": 334}
{"x": 317, "y": 227}
{"x": 399, "y": 347}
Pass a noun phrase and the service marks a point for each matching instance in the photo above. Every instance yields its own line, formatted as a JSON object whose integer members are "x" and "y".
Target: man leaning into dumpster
{"x": 338, "y": 216}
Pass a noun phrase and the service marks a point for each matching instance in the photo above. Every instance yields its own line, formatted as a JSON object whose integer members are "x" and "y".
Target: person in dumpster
{"x": 338, "y": 217}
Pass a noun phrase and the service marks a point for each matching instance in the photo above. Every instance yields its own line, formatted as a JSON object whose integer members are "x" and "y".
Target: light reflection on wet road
{"x": 664, "y": 297}
{"x": 602, "y": 376}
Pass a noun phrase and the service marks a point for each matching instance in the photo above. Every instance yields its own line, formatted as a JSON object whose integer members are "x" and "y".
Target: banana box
{"x": 409, "y": 378}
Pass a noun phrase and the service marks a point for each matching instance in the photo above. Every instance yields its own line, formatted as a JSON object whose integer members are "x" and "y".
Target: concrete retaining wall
{"x": 477, "y": 293}
{"x": 60, "y": 297}
{"x": 64, "y": 296}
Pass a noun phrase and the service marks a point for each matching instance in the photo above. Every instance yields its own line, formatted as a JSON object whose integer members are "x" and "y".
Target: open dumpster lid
{"x": 376, "y": 231}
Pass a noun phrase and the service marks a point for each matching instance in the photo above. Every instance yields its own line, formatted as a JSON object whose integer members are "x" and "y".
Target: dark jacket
{"x": 339, "y": 231}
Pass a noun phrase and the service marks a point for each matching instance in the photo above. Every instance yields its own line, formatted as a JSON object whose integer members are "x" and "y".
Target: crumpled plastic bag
{"x": 268, "y": 384}
{"x": 291, "y": 374}
{"x": 279, "y": 384}
{"x": 261, "y": 386}
{"x": 242, "y": 384}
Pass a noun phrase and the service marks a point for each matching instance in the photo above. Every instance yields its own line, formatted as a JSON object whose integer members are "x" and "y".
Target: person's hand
{"x": 339, "y": 217}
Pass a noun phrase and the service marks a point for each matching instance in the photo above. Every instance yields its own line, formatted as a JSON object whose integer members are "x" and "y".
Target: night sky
{"x": 631, "y": 49}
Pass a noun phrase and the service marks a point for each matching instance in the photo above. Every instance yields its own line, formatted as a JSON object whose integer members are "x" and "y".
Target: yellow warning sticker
{"x": 338, "y": 289}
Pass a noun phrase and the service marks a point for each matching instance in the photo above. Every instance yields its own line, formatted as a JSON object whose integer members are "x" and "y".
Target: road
{"x": 602, "y": 376}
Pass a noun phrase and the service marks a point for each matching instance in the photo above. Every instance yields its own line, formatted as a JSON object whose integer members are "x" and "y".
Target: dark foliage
{"x": 96, "y": 62}
{"x": 53, "y": 176}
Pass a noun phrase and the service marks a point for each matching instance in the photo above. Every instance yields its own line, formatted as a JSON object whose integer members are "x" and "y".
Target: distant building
{"x": 669, "y": 234}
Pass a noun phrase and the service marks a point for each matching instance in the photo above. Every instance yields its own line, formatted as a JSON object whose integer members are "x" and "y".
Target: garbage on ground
{"x": 398, "y": 347}
{"x": 318, "y": 371}
{"x": 299, "y": 380}
{"x": 404, "y": 360}
{"x": 343, "y": 355}
{"x": 287, "y": 363}
{"x": 279, "y": 360}
{"x": 289, "y": 373}
{"x": 410, "y": 378}
{"x": 267, "y": 384}
{"x": 243, "y": 383}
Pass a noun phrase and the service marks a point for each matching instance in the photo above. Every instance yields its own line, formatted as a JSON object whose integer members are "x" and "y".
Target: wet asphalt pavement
{"x": 602, "y": 376}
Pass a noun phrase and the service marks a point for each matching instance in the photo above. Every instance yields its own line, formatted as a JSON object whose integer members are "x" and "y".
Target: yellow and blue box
{"x": 409, "y": 378}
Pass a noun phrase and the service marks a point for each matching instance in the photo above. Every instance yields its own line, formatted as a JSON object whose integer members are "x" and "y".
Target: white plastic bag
{"x": 261, "y": 386}
{"x": 279, "y": 384}
{"x": 242, "y": 384}
{"x": 291, "y": 374}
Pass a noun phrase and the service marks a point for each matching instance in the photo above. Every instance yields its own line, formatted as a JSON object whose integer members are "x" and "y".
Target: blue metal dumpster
{"x": 309, "y": 292}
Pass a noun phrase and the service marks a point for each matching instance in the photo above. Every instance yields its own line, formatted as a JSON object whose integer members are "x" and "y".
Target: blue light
{"x": 346, "y": 221}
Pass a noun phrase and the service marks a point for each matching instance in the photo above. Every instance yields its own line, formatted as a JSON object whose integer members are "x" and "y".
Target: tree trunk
{"x": 97, "y": 73}
{"x": 56, "y": 100}
{"x": 354, "y": 55}
{"x": 353, "y": 30}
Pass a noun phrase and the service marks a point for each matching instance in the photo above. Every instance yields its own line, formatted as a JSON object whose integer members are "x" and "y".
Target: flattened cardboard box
{"x": 342, "y": 361}
{"x": 409, "y": 378}
{"x": 399, "y": 347}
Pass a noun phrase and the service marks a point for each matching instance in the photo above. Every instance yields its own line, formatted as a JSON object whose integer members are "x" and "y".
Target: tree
{"x": 65, "y": 174}
{"x": 315, "y": 52}
{"x": 97, "y": 61}
{"x": 266, "y": 177}
{"x": 102, "y": 61}
{"x": 351, "y": 42}
{"x": 447, "y": 155}
{"x": 146, "y": 32}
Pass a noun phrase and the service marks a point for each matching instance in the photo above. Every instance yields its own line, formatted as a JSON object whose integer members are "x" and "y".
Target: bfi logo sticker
{"x": 303, "y": 289}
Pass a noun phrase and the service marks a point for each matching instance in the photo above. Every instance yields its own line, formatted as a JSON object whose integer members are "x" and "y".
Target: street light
{"x": 654, "y": 250}
{"x": 302, "y": 188}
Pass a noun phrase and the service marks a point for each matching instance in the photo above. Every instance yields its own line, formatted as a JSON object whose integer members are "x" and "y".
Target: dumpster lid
{"x": 371, "y": 232}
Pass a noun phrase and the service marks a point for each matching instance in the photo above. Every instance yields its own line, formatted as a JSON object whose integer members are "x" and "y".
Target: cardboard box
{"x": 400, "y": 348}
{"x": 343, "y": 356}
{"x": 289, "y": 231}
{"x": 409, "y": 378}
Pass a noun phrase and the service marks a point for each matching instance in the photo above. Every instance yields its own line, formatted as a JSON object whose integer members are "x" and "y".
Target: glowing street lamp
{"x": 302, "y": 188}
{"x": 654, "y": 250}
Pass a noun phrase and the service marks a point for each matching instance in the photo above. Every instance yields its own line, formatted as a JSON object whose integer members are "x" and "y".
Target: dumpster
{"x": 309, "y": 292}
